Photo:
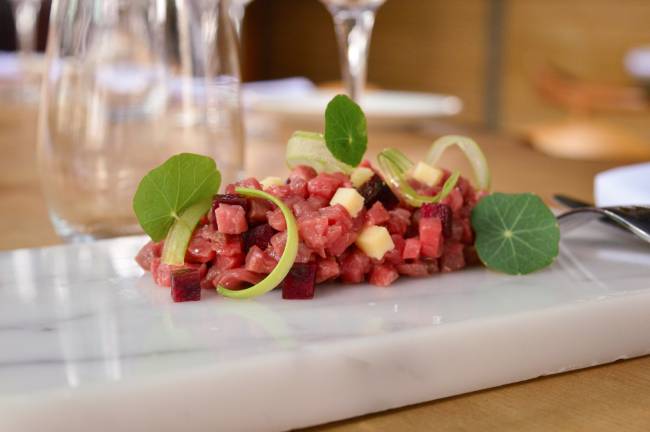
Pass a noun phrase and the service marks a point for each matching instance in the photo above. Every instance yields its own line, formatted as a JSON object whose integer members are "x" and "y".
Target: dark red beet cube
{"x": 375, "y": 190}
{"x": 259, "y": 236}
{"x": 232, "y": 199}
{"x": 299, "y": 283}
{"x": 186, "y": 285}
{"x": 441, "y": 211}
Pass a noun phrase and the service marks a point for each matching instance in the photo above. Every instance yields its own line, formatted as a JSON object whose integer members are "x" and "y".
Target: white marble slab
{"x": 89, "y": 343}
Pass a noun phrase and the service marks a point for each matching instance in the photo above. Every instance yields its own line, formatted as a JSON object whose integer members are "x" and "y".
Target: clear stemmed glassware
{"x": 353, "y": 20}
{"x": 236, "y": 11}
{"x": 128, "y": 84}
{"x": 25, "y": 16}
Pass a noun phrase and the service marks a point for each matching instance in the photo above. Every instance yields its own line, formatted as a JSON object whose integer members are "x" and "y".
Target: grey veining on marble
{"x": 82, "y": 326}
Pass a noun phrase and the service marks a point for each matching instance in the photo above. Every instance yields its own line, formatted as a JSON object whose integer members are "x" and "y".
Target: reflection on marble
{"x": 84, "y": 332}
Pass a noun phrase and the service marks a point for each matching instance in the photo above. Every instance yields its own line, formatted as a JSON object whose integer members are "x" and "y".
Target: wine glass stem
{"x": 26, "y": 12}
{"x": 353, "y": 30}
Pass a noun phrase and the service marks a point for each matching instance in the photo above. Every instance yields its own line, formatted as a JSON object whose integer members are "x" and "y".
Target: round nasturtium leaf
{"x": 346, "y": 133}
{"x": 515, "y": 233}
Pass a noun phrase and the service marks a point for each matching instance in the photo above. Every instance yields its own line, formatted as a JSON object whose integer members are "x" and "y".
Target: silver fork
{"x": 635, "y": 219}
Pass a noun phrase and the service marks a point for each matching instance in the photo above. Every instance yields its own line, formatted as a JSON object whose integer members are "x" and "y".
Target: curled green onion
{"x": 472, "y": 151}
{"x": 395, "y": 166}
{"x": 287, "y": 259}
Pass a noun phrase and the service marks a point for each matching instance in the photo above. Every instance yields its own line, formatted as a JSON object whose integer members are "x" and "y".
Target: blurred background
{"x": 522, "y": 66}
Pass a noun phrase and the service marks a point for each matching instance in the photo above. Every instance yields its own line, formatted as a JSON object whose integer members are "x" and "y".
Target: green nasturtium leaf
{"x": 346, "y": 133}
{"x": 183, "y": 181}
{"x": 515, "y": 233}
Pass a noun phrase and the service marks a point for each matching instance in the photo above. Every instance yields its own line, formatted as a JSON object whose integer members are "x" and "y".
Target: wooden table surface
{"x": 606, "y": 398}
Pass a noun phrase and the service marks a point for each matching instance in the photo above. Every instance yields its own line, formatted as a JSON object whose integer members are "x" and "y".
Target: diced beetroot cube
{"x": 238, "y": 278}
{"x": 231, "y": 219}
{"x": 471, "y": 256}
{"x": 441, "y": 211}
{"x": 259, "y": 235}
{"x": 377, "y": 214}
{"x": 431, "y": 237}
{"x": 413, "y": 269}
{"x": 199, "y": 250}
{"x": 400, "y": 220}
{"x": 258, "y": 210}
{"x": 375, "y": 190}
{"x": 383, "y": 275}
{"x": 186, "y": 285}
{"x": 299, "y": 283}
{"x": 452, "y": 258}
{"x": 276, "y": 220}
{"x": 302, "y": 172}
{"x": 354, "y": 265}
{"x": 148, "y": 252}
{"x": 327, "y": 269}
{"x": 259, "y": 261}
{"x": 324, "y": 185}
{"x": 411, "y": 248}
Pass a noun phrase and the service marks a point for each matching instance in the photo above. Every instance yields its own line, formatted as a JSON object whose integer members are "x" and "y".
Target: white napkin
{"x": 626, "y": 185}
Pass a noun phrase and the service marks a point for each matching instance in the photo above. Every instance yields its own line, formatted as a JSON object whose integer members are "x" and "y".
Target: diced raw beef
{"x": 231, "y": 219}
{"x": 383, "y": 275}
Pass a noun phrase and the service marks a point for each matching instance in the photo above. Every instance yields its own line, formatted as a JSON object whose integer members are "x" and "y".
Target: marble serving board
{"x": 88, "y": 342}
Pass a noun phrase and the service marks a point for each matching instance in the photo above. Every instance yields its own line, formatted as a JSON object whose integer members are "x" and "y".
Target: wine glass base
{"x": 73, "y": 234}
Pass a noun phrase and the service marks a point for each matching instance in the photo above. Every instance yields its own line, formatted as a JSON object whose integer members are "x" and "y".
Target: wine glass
{"x": 25, "y": 17}
{"x": 129, "y": 83}
{"x": 236, "y": 11}
{"x": 353, "y": 21}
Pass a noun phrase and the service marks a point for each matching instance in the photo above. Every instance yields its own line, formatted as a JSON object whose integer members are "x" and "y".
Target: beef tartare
{"x": 352, "y": 228}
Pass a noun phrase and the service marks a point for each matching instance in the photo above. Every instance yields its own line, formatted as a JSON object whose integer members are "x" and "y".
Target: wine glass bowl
{"x": 129, "y": 84}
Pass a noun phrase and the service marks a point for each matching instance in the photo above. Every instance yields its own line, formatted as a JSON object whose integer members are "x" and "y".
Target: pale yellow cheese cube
{"x": 360, "y": 175}
{"x": 375, "y": 241}
{"x": 425, "y": 173}
{"x": 350, "y": 199}
{"x": 271, "y": 181}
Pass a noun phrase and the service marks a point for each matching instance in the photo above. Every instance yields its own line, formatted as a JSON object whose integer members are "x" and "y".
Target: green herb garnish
{"x": 172, "y": 198}
{"x": 515, "y": 234}
{"x": 287, "y": 259}
{"x": 346, "y": 133}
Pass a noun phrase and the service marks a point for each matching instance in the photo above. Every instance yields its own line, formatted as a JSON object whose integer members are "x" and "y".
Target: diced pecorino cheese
{"x": 375, "y": 241}
{"x": 426, "y": 174}
{"x": 360, "y": 175}
{"x": 231, "y": 219}
{"x": 271, "y": 181}
{"x": 349, "y": 199}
